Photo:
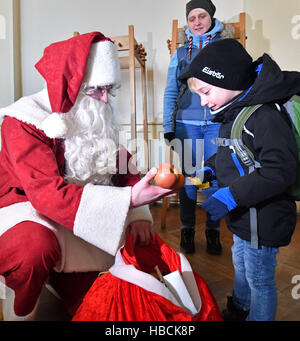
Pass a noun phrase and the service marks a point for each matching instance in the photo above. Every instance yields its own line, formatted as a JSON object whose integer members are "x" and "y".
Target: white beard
{"x": 92, "y": 143}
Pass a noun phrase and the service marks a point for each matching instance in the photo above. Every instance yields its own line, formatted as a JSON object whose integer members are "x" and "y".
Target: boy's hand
{"x": 220, "y": 203}
{"x": 215, "y": 208}
{"x": 206, "y": 174}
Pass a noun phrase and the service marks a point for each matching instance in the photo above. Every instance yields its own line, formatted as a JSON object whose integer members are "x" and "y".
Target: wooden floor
{"x": 216, "y": 270}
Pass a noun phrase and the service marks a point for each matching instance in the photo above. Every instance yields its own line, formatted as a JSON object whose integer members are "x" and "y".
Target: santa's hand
{"x": 142, "y": 231}
{"x": 143, "y": 192}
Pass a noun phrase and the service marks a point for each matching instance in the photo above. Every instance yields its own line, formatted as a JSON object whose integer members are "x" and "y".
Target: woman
{"x": 186, "y": 119}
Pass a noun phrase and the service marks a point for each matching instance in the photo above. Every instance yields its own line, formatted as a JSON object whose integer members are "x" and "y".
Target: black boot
{"x": 187, "y": 244}
{"x": 213, "y": 245}
{"x": 233, "y": 313}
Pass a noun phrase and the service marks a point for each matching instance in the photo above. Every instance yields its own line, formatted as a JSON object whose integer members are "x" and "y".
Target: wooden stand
{"x": 239, "y": 34}
{"x": 136, "y": 59}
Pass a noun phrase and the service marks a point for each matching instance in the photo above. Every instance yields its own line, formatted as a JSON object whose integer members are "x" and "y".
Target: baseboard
{"x": 1, "y": 313}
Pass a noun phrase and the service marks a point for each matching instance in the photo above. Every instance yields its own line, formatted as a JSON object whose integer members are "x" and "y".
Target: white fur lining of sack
{"x": 148, "y": 282}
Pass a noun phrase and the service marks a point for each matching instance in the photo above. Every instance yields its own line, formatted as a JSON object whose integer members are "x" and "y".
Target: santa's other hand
{"x": 142, "y": 232}
{"x": 143, "y": 192}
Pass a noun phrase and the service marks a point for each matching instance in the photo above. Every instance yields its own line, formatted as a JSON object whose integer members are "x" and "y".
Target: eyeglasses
{"x": 89, "y": 90}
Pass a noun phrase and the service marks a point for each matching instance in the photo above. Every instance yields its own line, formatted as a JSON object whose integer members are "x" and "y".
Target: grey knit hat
{"x": 205, "y": 4}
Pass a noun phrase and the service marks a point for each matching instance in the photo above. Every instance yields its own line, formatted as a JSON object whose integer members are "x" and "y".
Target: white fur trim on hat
{"x": 103, "y": 66}
{"x": 55, "y": 126}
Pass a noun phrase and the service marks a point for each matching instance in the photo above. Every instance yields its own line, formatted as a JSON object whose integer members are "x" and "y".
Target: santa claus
{"x": 64, "y": 207}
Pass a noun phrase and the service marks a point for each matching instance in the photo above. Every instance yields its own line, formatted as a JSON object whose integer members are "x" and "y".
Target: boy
{"x": 227, "y": 80}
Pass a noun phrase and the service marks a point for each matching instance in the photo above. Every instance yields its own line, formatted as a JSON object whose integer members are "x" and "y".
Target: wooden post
{"x": 166, "y": 201}
{"x": 243, "y": 29}
{"x": 145, "y": 118}
{"x": 132, "y": 91}
{"x": 174, "y": 36}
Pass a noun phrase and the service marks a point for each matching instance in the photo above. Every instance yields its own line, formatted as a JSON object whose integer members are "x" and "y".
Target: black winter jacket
{"x": 273, "y": 145}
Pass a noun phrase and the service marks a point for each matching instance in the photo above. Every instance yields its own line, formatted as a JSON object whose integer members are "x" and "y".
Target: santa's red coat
{"x": 89, "y": 221}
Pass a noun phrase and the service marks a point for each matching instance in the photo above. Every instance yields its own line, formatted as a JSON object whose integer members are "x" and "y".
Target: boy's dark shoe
{"x": 187, "y": 244}
{"x": 213, "y": 245}
{"x": 233, "y": 313}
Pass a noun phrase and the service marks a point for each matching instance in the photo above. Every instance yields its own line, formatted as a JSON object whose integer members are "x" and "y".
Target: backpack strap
{"x": 240, "y": 149}
{"x": 248, "y": 159}
{"x": 296, "y": 111}
{"x": 245, "y": 155}
{"x": 235, "y": 142}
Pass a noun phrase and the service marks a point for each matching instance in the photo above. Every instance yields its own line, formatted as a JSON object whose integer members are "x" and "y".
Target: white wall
{"x": 6, "y": 52}
{"x": 273, "y": 26}
{"x": 47, "y": 21}
{"x": 10, "y": 71}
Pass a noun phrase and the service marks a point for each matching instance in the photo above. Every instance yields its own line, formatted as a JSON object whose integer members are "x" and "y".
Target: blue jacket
{"x": 189, "y": 106}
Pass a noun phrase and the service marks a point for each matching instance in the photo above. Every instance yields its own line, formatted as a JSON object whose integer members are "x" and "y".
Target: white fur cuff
{"x": 101, "y": 216}
{"x": 139, "y": 213}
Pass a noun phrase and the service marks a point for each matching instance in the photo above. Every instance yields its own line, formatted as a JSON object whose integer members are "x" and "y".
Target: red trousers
{"x": 28, "y": 253}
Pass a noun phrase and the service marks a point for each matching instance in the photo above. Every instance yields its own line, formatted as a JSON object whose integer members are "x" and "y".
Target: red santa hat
{"x": 65, "y": 65}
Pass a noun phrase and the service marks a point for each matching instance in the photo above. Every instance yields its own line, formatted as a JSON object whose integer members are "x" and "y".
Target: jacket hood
{"x": 217, "y": 28}
{"x": 272, "y": 85}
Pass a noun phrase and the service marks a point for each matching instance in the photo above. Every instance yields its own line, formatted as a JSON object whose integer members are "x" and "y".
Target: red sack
{"x": 128, "y": 292}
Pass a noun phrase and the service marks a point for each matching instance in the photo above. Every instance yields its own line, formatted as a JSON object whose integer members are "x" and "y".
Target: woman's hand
{"x": 142, "y": 232}
{"x": 143, "y": 192}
